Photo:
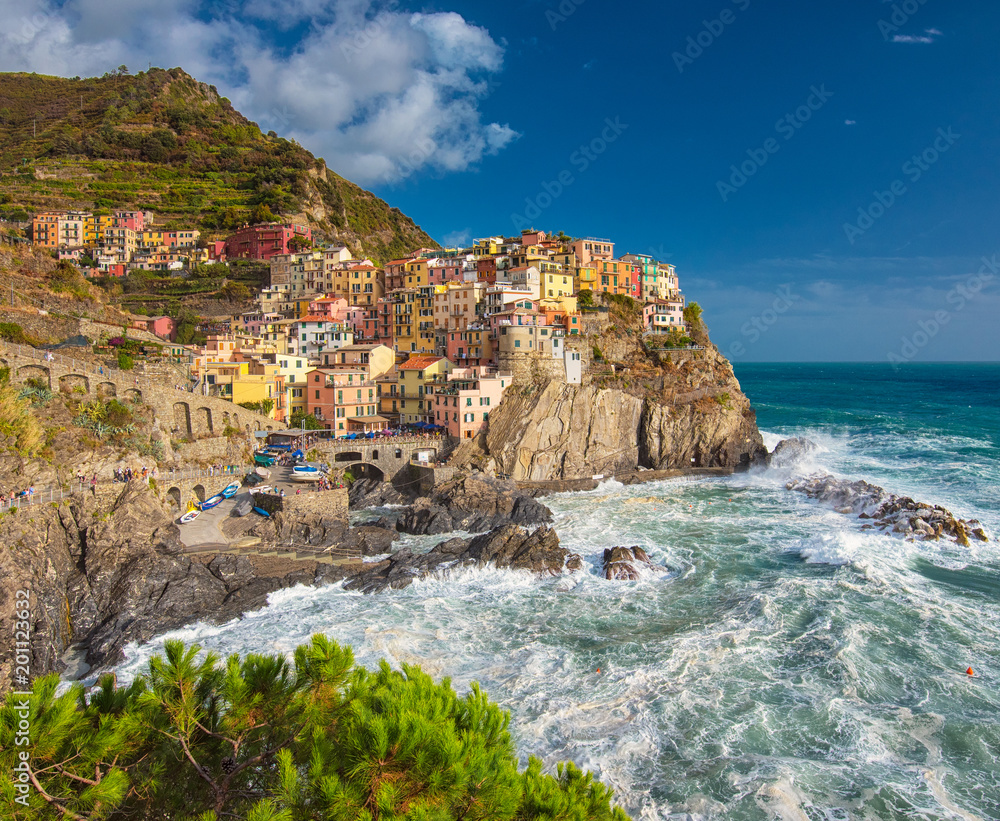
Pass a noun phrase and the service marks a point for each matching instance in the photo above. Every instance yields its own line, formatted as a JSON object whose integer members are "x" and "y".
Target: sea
{"x": 784, "y": 663}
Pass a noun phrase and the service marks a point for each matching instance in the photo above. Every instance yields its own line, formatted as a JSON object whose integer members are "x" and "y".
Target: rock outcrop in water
{"x": 627, "y": 563}
{"x": 508, "y": 546}
{"x": 474, "y": 503}
{"x": 889, "y": 512}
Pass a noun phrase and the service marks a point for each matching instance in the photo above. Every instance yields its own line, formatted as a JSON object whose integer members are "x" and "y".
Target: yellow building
{"x": 253, "y": 381}
{"x": 418, "y": 377}
{"x": 413, "y": 320}
{"x": 557, "y": 284}
{"x": 94, "y": 228}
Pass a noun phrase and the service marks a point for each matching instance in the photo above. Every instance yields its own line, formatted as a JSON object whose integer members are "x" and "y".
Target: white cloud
{"x": 380, "y": 93}
{"x": 850, "y": 122}
{"x": 457, "y": 239}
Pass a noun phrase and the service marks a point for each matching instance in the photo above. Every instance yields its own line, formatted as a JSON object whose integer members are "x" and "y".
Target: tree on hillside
{"x": 299, "y": 243}
{"x": 234, "y": 292}
{"x": 305, "y": 421}
{"x": 269, "y": 738}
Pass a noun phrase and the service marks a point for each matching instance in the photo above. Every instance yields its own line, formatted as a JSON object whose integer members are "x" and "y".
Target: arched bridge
{"x": 385, "y": 458}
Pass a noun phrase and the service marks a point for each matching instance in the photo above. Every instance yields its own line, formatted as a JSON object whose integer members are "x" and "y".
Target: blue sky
{"x": 824, "y": 176}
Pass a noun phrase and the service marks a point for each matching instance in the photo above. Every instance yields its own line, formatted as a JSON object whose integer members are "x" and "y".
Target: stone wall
{"x": 179, "y": 413}
{"x": 329, "y": 503}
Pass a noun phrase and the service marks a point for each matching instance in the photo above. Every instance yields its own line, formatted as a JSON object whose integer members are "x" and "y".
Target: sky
{"x": 823, "y": 175}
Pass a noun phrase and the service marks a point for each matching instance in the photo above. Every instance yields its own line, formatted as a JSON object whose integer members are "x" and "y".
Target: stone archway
{"x": 133, "y": 395}
{"x": 203, "y": 418}
{"x": 199, "y": 492}
{"x": 106, "y": 390}
{"x": 182, "y": 417}
{"x": 362, "y": 470}
{"x": 348, "y": 456}
{"x": 71, "y": 381}
{"x": 26, "y": 372}
{"x": 174, "y": 495}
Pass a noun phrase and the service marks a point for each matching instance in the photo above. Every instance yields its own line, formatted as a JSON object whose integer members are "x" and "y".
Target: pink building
{"x": 264, "y": 241}
{"x": 134, "y": 220}
{"x": 464, "y": 404}
{"x": 162, "y": 326}
{"x": 333, "y": 307}
{"x": 472, "y": 347}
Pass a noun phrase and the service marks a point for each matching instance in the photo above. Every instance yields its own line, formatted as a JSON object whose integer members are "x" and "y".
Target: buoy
{"x": 969, "y": 672}
{"x": 598, "y": 669}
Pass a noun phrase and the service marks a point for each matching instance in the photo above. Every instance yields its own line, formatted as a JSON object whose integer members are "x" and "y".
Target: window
{"x": 317, "y": 394}
{"x": 517, "y": 343}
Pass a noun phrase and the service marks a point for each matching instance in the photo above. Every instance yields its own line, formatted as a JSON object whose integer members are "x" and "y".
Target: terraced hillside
{"x": 161, "y": 140}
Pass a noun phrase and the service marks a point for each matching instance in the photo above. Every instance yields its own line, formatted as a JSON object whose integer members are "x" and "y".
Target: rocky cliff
{"x": 650, "y": 414}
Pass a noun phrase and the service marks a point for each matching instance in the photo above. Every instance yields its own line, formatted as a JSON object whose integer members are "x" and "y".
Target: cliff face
{"x": 106, "y": 570}
{"x": 677, "y": 416}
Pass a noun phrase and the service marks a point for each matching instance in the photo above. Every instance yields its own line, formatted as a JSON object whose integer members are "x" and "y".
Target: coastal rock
{"x": 789, "y": 452}
{"x": 692, "y": 416}
{"x": 897, "y": 514}
{"x": 627, "y": 563}
{"x": 473, "y": 503}
{"x": 505, "y": 547}
{"x": 374, "y": 493}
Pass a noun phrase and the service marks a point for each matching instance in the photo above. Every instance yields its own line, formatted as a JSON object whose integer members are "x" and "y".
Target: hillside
{"x": 162, "y": 141}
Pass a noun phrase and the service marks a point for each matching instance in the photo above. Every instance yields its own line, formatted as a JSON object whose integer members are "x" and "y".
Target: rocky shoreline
{"x": 104, "y": 576}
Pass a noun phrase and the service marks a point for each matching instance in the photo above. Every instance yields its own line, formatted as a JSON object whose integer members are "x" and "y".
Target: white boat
{"x": 190, "y": 516}
{"x": 261, "y": 489}
{"x": 305, "y": 469}
{"x": 263, "y": 473}
{"x": 231, "y": 490}
{"x": 307, "y": 477}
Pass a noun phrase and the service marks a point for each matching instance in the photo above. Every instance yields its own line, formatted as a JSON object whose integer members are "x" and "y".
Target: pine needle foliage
{"x": 265, "y": 738}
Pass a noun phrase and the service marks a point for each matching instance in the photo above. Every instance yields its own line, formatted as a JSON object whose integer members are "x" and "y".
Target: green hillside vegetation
{"x": 162, "y": 141}
{"x": 265, "y": 739}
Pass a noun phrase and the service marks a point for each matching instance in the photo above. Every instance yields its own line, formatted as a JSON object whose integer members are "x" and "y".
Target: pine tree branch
{"x": 53, "y": 800}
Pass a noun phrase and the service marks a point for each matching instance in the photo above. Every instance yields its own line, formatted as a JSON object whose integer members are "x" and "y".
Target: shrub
{"x": 265, "y": 737}
{"x": 125, "y": 362}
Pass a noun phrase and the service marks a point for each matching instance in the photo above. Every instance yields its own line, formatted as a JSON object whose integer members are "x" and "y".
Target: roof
{"x": 418, "y": 363}
{"x": 367, "y": 419}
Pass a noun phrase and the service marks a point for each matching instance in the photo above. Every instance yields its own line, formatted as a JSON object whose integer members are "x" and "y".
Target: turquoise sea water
{"x": 786, "y": 664}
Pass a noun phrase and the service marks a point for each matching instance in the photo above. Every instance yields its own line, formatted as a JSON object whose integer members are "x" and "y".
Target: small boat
{"x": 230, "y": 490}
{"x": 263, "y": 459}
{"x": 190, "y": 516}
{"x": 213, "y": 501}
{"x": 307, "y": 477}
{"x": 260, "y": 489}
{"x": 305, "y": 469}
{"x": 263, "y": 473}
{"x": 262, "y": 512}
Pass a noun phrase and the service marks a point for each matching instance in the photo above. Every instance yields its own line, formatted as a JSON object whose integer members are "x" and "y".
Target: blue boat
{"x": 261, "y": 511}
{"x": 230, "y": 490}
{"x": 218, "y": 498}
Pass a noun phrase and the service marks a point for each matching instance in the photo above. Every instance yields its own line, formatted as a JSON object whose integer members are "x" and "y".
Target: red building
{"x": 264, "y": 241}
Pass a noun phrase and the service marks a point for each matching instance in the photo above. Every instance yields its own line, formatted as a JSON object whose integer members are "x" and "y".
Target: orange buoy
{"x": 969, "y": 672}
{"x": 598, "y": 669}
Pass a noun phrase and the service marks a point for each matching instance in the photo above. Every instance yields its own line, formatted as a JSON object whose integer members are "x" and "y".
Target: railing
{"x": 76, "y": 487}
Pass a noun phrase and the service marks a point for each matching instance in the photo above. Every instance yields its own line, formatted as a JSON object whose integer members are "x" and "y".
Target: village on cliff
{"x": 429, "y": 341}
